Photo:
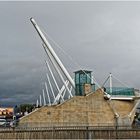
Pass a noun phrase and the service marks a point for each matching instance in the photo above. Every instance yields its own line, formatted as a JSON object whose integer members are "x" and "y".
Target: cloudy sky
{"x": 99, "y": 36}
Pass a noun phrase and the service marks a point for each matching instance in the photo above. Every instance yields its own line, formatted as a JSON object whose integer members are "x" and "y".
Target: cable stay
{"x": 62, "y": 90}
{"x": 59, "y": 67}
{"x": 46, "y": 87}
{"x": 50, "y": 85}
{"x": 52, "y": 52}
{"x": 55, "y": 57}
{"x": 44, "y": 97}
{"x": 52, "y": 75}
{"x": 57, "y": 70}
{"x": 70, "y": 58}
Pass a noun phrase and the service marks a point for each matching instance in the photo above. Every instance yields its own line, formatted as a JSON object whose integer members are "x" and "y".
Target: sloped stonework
{"x": 90, "y": 110}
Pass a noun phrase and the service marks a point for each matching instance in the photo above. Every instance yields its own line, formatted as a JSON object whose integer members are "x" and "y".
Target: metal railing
{"x": 70, "y": 132}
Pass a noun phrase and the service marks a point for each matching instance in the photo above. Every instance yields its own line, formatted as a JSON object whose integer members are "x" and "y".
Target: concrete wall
{"x": 91, "y": 110}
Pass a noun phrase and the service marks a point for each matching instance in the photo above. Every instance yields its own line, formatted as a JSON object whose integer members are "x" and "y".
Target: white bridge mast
{"x": 51, "y": 51}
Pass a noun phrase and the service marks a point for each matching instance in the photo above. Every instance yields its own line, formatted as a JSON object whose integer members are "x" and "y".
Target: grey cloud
{"x": 100, "y": 36}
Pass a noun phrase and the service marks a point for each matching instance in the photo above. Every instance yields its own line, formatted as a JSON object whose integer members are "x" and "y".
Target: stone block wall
{"x": 92, "y": 110}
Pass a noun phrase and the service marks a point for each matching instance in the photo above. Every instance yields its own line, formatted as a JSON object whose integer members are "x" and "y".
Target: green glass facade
{"x": 121, "y": 91}
{"x": 81, "y": 77}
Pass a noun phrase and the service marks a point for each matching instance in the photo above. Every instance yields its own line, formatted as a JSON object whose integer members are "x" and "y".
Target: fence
{"x": 73, "y": 132}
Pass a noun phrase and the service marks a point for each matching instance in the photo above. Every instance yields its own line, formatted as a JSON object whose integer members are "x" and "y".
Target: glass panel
{"x": 121, "y": 91}
{"x": 77, "y": 78}
{"x": 77, "y": 90}
{"x": 82, "y": 78}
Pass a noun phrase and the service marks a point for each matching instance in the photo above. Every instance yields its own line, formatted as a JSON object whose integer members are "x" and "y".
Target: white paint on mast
{"x": 110, "y": 81}
{"x": 44, "y": 97}
{"x": 59, "y": 73}
{"x": 65, "y": 90}
{"x": 71, "y": 91}
{"x": 40, "y": 98}
{"x": 49, "y": 68}
{"x": 71, "y": 88}
{"x": 60, "y": 93}
{"x": 64, "y": 93}
{"x": 48, "y": 93}
{"x": 37, "y": 104}
{"x": 50, "y": 86}
{"x": 52, "y": 52}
